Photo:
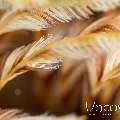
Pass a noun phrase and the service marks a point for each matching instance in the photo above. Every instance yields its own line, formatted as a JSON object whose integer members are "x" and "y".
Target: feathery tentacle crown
{"x": 96, "y": 48}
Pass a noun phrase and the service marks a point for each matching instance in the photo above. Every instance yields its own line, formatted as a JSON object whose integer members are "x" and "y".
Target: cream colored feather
{"x": 15, "y": 114}
{"x": 10, "y": 114}
{"x": 80, "y": 48}
{"x": 49, "y": 14}
{"x": 94, "y": 4}
{"x": 106, "y": 24}
{"x": 87, "y": 45}
{"x": 30, "y": 56}
{"x": 111, "y": 71}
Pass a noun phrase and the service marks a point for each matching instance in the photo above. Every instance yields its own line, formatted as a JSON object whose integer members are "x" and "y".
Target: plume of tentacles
{"x": 75, "y": 46}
